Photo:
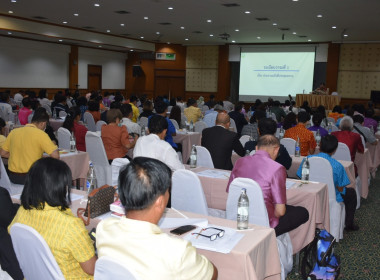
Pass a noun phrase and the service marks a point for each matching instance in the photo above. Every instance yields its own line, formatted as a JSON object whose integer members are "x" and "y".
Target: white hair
{"x": 346, "y": 123}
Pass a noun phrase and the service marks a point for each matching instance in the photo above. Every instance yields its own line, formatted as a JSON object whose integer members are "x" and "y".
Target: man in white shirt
{"x": 132, "y": 127}
{"x": 154, "y": 145}
{"x": 210, "y": 117}
{"x": 135, "y": 239}
{"x": 19, "y": 97}
{"x": 5, "y": 107}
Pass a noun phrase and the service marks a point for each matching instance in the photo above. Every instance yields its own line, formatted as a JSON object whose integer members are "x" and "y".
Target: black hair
{"x": 257, "y": 115}
{"x": 287, "y": 103}
{"x": 191, "y": 102}
{"x": 133, "y": 98}
{"x": 267, "y": 126}
{"x": 173, "y": 101}
{"x": 115, "y": 105}
{"x": 4, "y": 96}
{"x": 69, "y": 120}
{"x": 329, "y": 144}
{"x": 26, "y": 102}
{"x": 175, "y": 114}
{"x": 42, "y": 93}
{"x": 369, "y": 113}
{"x": 276, "y": 103}
{"x": 317, "y": 119}
{"x": 160, "y": 106}
{"x": 358, "y": 119}
{"x": 157, "y": 124}
{"x": 303, "y": 117}
{"x": 337, "y": 109}
{"x": 126, "y": 109}
{"x": 142, "y": 181}
{"x": 40, "y": 115}
{"x": 48, "y": 181}
{"x": 82, "y": 101}
{"x": 289, "y": 120}
{"x": 93, "y": 106}
{"x": 238, "y": 107}
{"x": 2, "y": 123}
{"x": 118, "y": 97}
{"x": 321, "y": 109}
{"x": 59, "y": 98}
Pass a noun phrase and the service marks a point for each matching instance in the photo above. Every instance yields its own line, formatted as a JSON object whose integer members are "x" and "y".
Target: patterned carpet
{"x": 360, "y": 251}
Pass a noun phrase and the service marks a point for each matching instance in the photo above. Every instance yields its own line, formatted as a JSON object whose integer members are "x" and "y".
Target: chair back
{"x": 289, "y": 144}
{"x": 12, "y": 117}
{"x": 258, "y": 213}
{"x": 273, "y": 116}
{"x": 4, "y": 179}
{"x": 204, "y": 157}
{"x": 47, "y": 108}
{"x": 107, "y": 268}
{"x": 321, "y": 171}
{"x": 117, "y": 163}
{"x": 62, "y": 114}
{"x": 184, "y": 118}
{"x": 174, "y": 122}
{"x": 98, "y": 156}
{"x": 199, "y": 126}
{"x": 143, "y": 121}
{"x": 187, "y": 192}
{"x": 363, "y": 141}
{"x": 233, "y": 125}
{"x": 30, "y": 117}
{"x": 244, "y": 139}
{"x": 64, "y": 138}
{"x": 33, "y": 254}
{"x": 99, "y": 125}
{"x": 3, "y": 113}
{"x": 170, "y": 109}
{"x": 89, "y": 121}
{"x": 342, "y": 152}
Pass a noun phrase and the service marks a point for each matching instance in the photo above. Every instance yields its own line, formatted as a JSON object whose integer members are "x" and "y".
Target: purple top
{"x": 270, "y": 175}
{"x": 322, "y": 131}
{"x": 368, "y": 122}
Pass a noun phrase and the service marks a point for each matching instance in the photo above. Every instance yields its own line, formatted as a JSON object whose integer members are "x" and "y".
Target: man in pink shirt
{"x": 271, "y": 176}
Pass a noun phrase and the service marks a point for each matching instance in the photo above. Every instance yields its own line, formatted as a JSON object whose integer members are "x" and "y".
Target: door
{"x": 173, "y": 86}
{"x": 94, "y": 77}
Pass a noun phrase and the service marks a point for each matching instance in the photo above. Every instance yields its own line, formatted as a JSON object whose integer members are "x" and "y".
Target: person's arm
{"x": 278, "y": 190}
{"x": 313, "y": 144}
{"x": 4, "y": 154}
{"x": 55, "y": 154}
{"x": 279, "y": 210}
{"x": 284, "y": 158}
{"x": 237, "y": 146}
{"x": 215, "y": 274}
{"x": 89, "y": 266}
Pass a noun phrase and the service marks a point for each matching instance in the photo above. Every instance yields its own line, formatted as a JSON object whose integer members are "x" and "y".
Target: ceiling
{"x": 358, "y": 20}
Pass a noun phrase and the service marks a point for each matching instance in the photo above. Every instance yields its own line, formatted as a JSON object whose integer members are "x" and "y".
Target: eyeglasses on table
{"x": 212, "y": 237}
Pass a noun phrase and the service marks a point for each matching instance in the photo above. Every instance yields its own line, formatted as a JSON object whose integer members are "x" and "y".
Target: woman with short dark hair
{"x": 45, "y": 203}
{"x": 72, "y": 124}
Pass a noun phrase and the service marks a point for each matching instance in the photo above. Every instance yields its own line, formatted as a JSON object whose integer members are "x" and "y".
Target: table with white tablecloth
{"x": 187, "y": 140}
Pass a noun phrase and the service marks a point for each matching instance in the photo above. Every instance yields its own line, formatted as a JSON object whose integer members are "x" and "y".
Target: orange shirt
{"x": 307, "y": 140}
{"x": 95, "y": 115}
{"x": 336, "y": 116}
{"x": 114, "y": 139}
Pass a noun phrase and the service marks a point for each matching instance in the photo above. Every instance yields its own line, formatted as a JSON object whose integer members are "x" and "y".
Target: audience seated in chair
{"x": 317, "y": 119}
{"x": 251, "y": 128}
{"x": 271, "y": 176}
{"x": 238, "y": 116}
{"x": 94, "y": 110}
{"x": 72, "y": 124}
{"x": 45, "y": 203}
{"x": 132, "y": 127}
{"x": 359, "y": 128}
{"x": 25, "y": 111}
{"x": 136, "y": 239}
{"x": 329, "y": 144}
{"x": 210, "y": 117}
{"x": 192, "y": 112}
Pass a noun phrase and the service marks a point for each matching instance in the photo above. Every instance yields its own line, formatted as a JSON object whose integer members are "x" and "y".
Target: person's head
{"x": 74, "y": 114}
{"x": 257, "y": 116}
{"x": 82, "y": 101}
{"x": 303, "y": 117}
{"x": 26, "y": 102}
{"x": 329, "y": 144}
{"x": 48, "y": 182}
{"x": 287, "y": 103}
{"x": 218, "y": 108}
{"x": 133, "y": 99}
{"x": 173, "y": 101}
{"x": 118, "y": 97}
{"x": 346, "y": 123}
{"x": 369, "y": 113}
{"x": 337, "y": 109}
{"x": 144, "y": 185}
{"x": 290, "y": 120}
{"x": 115, "y": 105}
{"x": 158, "y": 125}
{"x": 322, "y": 110}
{"x": 42, "y": 94}
{"x": 267, "y": 126}
{"x": 223, "y": 119}
{"x": 358, "y": 119}
{"x": 40, "y": 118}
{"x": 148, "y": 106}
{"x": 191, "y": 102}
{"x": 270, "y": 144}
{"x": 93, "y": 106}
{"x": 126, "y": 110}
{"x": 305, "y": 104}
{"x": 114, "y": 116}
{"x": 160, "y": 106}
{"x": 276, "y": 103}
{"x": 238, "y": 107}
{"x": 60, "y": 98}
{"x": 2, "y": 125}
{"x": 212, "y": 97}
{"x": 317, "y": 119}
{"x": 175, "y": 113}
{"x": 4, "y": 97}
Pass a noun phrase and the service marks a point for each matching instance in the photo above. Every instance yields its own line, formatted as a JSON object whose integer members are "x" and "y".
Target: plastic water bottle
{"x": 305, "y": 171}
{"x": 281, "y": 133}
{"x": 378, "y": 126}
{"x": 329, "y": 127}
{"x": 143, "y": 132}
{"x": 193, "y": 157}
{"x": 91, "y": 183}
{"x": 298, "y": 148}
{"x": 191, "y": 127}
{"x": 318, "y": 137}
{"x": 243, "y": 210}
{"x": 267, "y": 113}
{"x": 247, "y": 152}
{"x": 73, "y": 145}
{"x": 54, "y": 113}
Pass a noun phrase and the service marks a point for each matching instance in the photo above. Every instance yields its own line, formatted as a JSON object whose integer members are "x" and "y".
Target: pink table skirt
{"x": 78, "y": 163}
{"x": 254, "y": 257}
{"x": 314, "y": 197}
{"x": 187, "y": 141}
{"x": 363, "y": 164}
{"x": 374, "y": 152}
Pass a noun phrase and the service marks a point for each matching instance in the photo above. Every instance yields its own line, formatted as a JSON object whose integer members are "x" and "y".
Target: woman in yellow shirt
{"x": 45, "y": 204}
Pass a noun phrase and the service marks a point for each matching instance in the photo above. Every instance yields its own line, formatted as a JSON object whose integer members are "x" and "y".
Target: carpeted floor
{"x": 360, "y": 251}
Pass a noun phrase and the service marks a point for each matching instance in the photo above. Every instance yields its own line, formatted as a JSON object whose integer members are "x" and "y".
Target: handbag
{"x": 98, "y": 203}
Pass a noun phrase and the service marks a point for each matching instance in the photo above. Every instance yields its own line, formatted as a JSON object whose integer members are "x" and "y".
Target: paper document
{"x": 213, "y": 173}
{"x": 73, "y": 196}
{"x": 177, "y": 222}
{"x": 222, "y": 245}
{"x": 290, "y": 184}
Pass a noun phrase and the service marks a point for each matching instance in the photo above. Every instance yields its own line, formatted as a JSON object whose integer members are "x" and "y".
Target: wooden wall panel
{"x": 73, "y": 67}
{"x": 224, "y": 74}
{"x": 332, "y": 67}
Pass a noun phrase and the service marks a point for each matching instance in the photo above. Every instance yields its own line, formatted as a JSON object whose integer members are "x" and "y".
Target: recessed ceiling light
{"x": 158, "y": 33}
{"x": 274, "y": 24}
{"x": 309, "y": 40}
{"x": 122, "y": 24}
{"x": 345, "y": 35}
{"x": 9, "y": 33}
{"x": 60, "y": 40}
{"x": 108, "y": 31}
{"x": 295, "y": 0}
{"x": 13, "y": 1}
{"x": 97, "y": 5}
{"x": 259, "y": 38}
{"x": 233, "y": 41}
{"x": 76, "y": 15}
{"x": 170, "y": 8}
{"x": 10, "y": 12}
{"x": 99, "y": 46}
{"x": 294, "y": 33}
{"x": 186, "y": 39}
{"x": 209, "y": 20}
{"x": 319, "y": 16}
{"x": 168, "y": 43}
{"x": 64, "y": 22}
{"x": 237, "y": 30}
{"x": 141, "y": 37}
{"x": 247, "y": 12}
{"x": 131, "y": 50}
{"x": 333, "y": 27}
{"x": 146, "y": 18}
{"x": 211, "y": 35}
{"x": 182, "y": 27}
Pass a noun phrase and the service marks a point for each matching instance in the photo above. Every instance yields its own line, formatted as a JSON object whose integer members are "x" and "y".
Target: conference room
{"x": 209, "y": 51}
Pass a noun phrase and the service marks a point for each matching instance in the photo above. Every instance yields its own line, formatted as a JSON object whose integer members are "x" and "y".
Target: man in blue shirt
{"x": 329, "y": 144}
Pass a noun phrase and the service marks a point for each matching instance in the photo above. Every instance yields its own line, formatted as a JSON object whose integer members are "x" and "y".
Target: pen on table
{"x": 183, "y": 215}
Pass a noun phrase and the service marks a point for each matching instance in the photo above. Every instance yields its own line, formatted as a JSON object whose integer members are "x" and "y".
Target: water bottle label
{"x": 243, "y": 212}
{"x": 297, "y": 149}
{"x": 193, "y": 157}
{"x": 72, "y": 143}
{"x": 88, "y": 184}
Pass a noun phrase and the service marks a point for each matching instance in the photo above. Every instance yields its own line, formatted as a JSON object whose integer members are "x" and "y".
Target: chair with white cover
{"x": 183, "y": 117}
{"x": 244, "y": 139}
{"x": 233, "y": 125}
{"x": 363, "y": 140}
{"x": 47, "y": 108}
{"x": 30, "y": 117}
{"x": 7, "y": 184}
{"x": 174, "y": 122}
{"x": 12, "y": 117}
{"x": 199, "y": 126}
{"x": 99, "y": 125}
{"x": 170, "y": 109}
{"x": 64, "y": 138}
{"x": 204, "y": 157}
{"x": 117, "y": 163}
{"x": 258, "y": 215}
{"x": 289, "y": 144}
{"x": 89, "y": 121}
{"x": 321, "y": 171}
{"x": 33, "y": 254}
{"x": 143, "y": 121}
{"x": 62, "y": 114}
{"x": 98, "y": 156}
{"x": 187, "y": 194}
{"x": 342, "y": 152}
{"x": 107, "y": 268}
{"x": 274, "y": 117}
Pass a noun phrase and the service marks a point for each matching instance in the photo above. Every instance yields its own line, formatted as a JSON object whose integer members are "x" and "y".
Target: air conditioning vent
{"x": 122, "y": 12}
{"x": 230, "y": 5}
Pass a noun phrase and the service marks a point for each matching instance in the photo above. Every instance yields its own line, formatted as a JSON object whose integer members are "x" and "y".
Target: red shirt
{"x": 352, "y": 140}
{"x": 80, "y": 136}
